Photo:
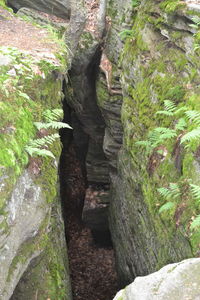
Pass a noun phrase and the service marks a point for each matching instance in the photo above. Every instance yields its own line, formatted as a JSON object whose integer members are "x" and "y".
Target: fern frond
{"x": 40, "y": 152}
{"x": 181, "y": 125}
{"x": 46, "y": 140}
{"x": 143, "y": 143}
{"x": 191, "y": 136}
{"x": 41, "y": 125}
{"x": 165, "y": 112}
{"x": 172, "y": 192}
{"x": 52, "y": 124}
{"x": 58, "y": 125}
{"x": 165, "y": 192}
{"x": 196, "y": 20}
{"x": 193, "y": 115}
{"x": 170, "y": 105}
{"x": 166, "y": 133}
{"x": 180, "y": 110}
{"x": 195, "y": 223}
{"x": 53, "y": 115}
{"x": 195, "y": 190}
{"x": 166, "y": 206}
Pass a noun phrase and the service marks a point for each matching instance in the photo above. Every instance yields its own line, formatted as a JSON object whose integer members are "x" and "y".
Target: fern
{"x": 170, "y": 108}
{"x": 191, "y": 136}
{"x": 46, "y": 140}
{"x": 195, "y": 190}
{"x": 156, "y": 137}
{"x": 166, "y": 133}
{"x": 38, "y": 152}
{"x": 170, "y": 105}
{"x": 181, "y": 125}
{"x": 193, "y": 115}
{"x": 166, "y": 206}
{"x": 38, "y": 146}
{"x": 53, "y": 115}
{"x": 52, "y": 124}
{"x": 172, "y": 192}
{"x": 196, "y": 21}
{"x": 164, "y": 112}
{"x": 195, "y": 223}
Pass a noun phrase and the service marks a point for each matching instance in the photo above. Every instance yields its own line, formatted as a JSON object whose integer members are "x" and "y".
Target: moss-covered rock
{"x": 158, "y": 62}
{"x": 32, "y": 234}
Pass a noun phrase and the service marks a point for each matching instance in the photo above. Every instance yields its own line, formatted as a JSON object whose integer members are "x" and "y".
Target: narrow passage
{"x": 92, "y": 268}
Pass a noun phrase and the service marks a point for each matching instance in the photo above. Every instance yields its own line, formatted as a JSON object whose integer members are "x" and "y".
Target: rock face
{"x": 59, "y": 8}
{"x": 174, "y": 281}
{"x": 155, "y": 60}
{"x": 33, "y": 255}
{"x": 42, "y": 19}
{"x": 88, "y": 123}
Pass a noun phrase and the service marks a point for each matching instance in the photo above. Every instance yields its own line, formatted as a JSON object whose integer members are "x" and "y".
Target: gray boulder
{"x": 173, "y": 282}
{"x": 59, "y": 8}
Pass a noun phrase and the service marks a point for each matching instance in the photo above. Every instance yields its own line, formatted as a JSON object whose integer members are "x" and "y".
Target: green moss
{"x": 147, "y": 83}
{"x": 170, "y": 6}
{"x": 3, "y": 5}
{"x": 24, "y": 97}
{"x": 48, "y": 274}
{"x": 29, "y": 247}
{"x": 27, "y": 88}
{"x": 102, "y": 92}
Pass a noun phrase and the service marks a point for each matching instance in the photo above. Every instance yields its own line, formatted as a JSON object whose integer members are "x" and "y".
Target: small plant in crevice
{"x": 39, "y": 147}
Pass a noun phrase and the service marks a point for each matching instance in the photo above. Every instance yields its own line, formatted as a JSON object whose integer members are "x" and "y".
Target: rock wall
{"x": 175, "y": 281}
{"x": 151, "y": 45}
{"x": 59, "y": 8}
{"x": 33, "y": 255}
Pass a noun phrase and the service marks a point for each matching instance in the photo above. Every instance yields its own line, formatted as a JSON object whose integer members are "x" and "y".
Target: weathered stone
{"x": 26, "y": 211}
{"x": 84, "y": 103}
{"x": 176, "y": 281}
{"x": 95, "y": 211}
{"x": 60, "y": 8}
{"x": 96, "y": 163}
{"x": 40, "y": 19}
{"x": 156, "y": 60}
{"x": 5, "y": 60}
{"x": 32, "y": 241}
{"x": 110, "y": 106}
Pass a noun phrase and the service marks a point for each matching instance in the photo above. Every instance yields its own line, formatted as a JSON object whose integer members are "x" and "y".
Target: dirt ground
{"x": 35, "y": 41}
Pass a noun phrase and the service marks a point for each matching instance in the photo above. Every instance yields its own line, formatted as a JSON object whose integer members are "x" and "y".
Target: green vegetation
{"x": 125, "y": 34}
{"x": 195, "y": 25}
{"x": 38, "y": 147}
{"x": 3, "y": 3}
{"x": 135, "y": 3}
{"x": 185, "y": 131}
{"x": 169, "y": 6}
{"x": 18, "y": 105}
{"x": 156, "y": 71}
{"x": 27, "y": 88}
